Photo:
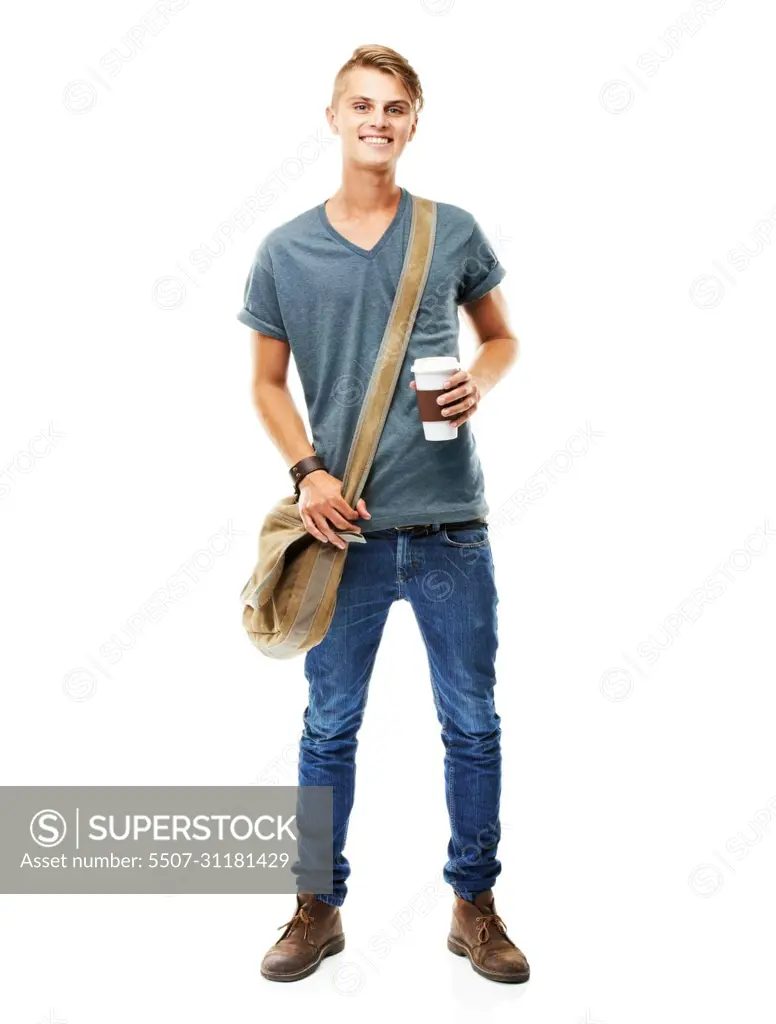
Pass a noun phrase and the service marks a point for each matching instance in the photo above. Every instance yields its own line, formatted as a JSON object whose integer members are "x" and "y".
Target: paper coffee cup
{"x": 431, "y": 373}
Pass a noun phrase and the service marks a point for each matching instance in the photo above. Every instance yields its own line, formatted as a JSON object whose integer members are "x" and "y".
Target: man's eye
{"x": 396, "y": 110}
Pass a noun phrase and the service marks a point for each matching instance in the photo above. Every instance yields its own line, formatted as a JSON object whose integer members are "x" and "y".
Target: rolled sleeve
{"x": 261, "y": 307}
{"x": 482, "y": 270}
{"x": 262, "y": 326}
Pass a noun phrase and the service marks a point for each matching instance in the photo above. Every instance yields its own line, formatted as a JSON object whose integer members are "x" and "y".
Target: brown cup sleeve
{"x": 430, "y": 411}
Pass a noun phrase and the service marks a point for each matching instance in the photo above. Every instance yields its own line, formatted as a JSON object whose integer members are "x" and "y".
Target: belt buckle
{"x": 424, "y": 527}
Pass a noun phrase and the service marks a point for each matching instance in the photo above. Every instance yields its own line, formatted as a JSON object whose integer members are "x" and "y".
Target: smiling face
{"x": 373, "y": 116}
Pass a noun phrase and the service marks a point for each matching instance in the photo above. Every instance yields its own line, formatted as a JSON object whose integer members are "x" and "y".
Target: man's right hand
{"x": 324, "y": 510}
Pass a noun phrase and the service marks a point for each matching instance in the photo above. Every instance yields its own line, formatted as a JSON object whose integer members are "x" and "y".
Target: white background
{"x": 616, "y": 188}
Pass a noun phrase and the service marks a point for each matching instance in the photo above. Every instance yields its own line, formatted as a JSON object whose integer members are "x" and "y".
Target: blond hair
{"x": 385, "y": 59}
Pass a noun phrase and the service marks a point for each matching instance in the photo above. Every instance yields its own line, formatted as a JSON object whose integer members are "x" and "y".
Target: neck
{"x": 361, "y": 194}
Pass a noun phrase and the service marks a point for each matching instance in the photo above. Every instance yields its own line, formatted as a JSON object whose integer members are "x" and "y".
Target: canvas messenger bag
{"x": 289, "y": 601}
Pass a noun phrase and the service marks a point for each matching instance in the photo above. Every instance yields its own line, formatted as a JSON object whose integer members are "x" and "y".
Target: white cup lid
{"x": 435, "y": 364}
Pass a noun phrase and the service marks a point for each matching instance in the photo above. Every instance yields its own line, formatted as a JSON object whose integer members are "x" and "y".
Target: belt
{"x": 423, "y": 529}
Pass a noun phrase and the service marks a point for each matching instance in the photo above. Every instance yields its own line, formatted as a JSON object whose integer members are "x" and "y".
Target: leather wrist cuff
{"x": 303, "y": 467}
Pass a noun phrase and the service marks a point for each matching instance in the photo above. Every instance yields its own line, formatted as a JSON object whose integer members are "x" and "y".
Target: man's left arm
{"x": 498, "y": 349}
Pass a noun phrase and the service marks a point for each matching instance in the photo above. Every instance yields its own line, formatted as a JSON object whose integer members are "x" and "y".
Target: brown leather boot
{"x": 314, "y": 932}
{"x": 479, "y": 933}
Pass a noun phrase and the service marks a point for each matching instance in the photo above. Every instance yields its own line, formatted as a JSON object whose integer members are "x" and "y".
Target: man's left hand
{"x": 461, "y": 399}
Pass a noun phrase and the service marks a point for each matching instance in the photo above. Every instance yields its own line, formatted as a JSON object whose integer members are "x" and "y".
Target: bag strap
{"x": 374, "y": 409}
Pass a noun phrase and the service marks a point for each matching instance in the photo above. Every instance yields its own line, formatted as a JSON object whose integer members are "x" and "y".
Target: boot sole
{"x": 329, "y": 949}
{"x": 461, "y": 950}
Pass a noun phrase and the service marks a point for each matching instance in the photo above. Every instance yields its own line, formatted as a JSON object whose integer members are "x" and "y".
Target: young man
{"x": 321, "y": 289}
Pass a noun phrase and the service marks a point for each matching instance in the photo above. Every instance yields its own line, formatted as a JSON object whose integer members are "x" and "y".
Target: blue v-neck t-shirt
{"x": 330, "y": 300}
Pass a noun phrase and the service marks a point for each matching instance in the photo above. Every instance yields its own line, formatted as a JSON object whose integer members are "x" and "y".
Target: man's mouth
{"x": 376, "y": 140}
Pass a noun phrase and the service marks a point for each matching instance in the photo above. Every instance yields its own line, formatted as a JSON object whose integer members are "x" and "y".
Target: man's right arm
{"x": 321, "y": 502}
{"x": 273, "y": 401}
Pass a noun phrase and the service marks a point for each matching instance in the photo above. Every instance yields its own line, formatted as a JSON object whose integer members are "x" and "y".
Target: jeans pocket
{"x": 475, "y": 536}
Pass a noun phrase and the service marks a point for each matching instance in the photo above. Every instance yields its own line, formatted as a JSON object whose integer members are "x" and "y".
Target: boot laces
{"x": 483, "y": 934}
{"x": 301, "y": 916}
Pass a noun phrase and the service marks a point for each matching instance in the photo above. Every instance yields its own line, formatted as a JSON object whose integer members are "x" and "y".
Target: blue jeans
{"x": 447, "y": 576}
